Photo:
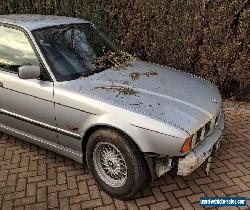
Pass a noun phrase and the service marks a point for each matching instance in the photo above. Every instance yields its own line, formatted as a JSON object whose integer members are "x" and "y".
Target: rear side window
{"x": 15, "y": 50}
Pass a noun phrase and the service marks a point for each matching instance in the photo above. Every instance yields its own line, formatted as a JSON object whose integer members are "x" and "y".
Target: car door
{"x": 25, "y": 105}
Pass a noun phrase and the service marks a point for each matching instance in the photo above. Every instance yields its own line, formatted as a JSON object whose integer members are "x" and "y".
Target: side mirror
{"x": 29, "y": 72}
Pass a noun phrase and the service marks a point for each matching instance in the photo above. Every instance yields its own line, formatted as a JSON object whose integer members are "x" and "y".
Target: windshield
{"x": 75, "y": 50}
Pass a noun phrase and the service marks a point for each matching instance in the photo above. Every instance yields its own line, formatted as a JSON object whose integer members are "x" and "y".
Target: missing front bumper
{"x": 191, "y": 161}
{"x": 183, "y": 166}
{"x": 194, "y": 159}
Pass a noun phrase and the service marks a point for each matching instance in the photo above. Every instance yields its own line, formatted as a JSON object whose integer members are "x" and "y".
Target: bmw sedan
{"x": 65, "y": 87}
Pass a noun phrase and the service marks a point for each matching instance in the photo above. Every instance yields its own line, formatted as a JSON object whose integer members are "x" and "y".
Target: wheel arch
{"x": 144, "y": 167}
{"x": 93, "y": 128}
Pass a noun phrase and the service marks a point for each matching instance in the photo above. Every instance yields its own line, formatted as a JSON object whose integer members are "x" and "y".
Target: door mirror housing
{"x": 29, "y": 72}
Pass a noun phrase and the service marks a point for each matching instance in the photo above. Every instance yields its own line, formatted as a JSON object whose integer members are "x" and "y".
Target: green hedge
{"x": 209, "y": 38}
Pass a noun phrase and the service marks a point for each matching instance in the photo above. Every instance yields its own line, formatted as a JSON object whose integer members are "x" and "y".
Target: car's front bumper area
{"x": 185, "y": 165}
{"x": 191, "y": 161}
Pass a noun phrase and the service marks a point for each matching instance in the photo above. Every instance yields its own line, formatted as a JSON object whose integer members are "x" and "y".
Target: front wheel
{"x": 116, "y": 163}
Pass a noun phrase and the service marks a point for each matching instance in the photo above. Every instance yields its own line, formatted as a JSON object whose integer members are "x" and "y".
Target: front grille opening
{"x": 207, "y": 128}
{"x": 216, "y": 119}
{"x": 204, "y": 131}
{"x": 198, "y": 138}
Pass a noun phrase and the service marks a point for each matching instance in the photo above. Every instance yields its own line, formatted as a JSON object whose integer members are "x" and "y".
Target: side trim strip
{"x": 65, "y": 151}
{"x": 48, "y": 101}
{"x": 40, "y": 124}
{"x": 27, "y": 94}
{"x": 75, "y": 109}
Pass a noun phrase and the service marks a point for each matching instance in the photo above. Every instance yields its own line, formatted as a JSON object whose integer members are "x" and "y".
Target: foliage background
{"x": 209, "y": 38}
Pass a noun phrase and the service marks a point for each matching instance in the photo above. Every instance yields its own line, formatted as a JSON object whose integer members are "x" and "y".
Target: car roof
{"x": 32, "y": 21}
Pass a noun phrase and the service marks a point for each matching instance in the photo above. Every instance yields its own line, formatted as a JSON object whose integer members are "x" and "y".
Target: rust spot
{"x": 71, "y": 128}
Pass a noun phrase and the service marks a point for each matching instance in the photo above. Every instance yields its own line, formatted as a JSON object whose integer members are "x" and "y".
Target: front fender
{"x": 147, "y": 140}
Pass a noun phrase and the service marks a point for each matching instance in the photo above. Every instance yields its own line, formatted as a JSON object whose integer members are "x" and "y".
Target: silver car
{"x": 65, "y": 87}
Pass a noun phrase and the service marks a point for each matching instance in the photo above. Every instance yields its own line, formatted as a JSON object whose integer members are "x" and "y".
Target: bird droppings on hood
{"x": 119, "y": 89}
{"x": 137, "y": 75}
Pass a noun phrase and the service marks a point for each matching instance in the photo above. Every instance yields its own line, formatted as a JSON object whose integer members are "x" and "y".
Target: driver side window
{"x": 15, "y": 50}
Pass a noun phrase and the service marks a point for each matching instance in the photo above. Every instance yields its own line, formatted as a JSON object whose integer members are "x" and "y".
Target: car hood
{"x": 155, "y": 91}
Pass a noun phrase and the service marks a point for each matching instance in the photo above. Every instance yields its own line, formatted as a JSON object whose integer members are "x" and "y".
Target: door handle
{"x": 1, "y": 84}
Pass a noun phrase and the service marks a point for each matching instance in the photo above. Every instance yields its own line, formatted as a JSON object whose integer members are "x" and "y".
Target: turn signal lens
{"x": 187, "y": 145}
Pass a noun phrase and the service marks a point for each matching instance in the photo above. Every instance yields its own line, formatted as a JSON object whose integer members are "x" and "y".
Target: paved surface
{"x": 34, "y": 178}
{"x": 236, "y": 104}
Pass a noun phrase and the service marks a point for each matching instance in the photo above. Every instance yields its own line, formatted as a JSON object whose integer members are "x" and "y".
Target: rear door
{"x": 25, "y": 105}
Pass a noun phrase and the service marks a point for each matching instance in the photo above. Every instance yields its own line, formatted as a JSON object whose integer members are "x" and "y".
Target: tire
{"x": 131, "y": 167}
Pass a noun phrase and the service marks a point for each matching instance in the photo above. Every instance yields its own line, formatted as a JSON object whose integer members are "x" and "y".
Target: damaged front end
{"x": 158, "y": 164}
{"x": 185, "y": 165}
{"x": 192, "y": 161}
